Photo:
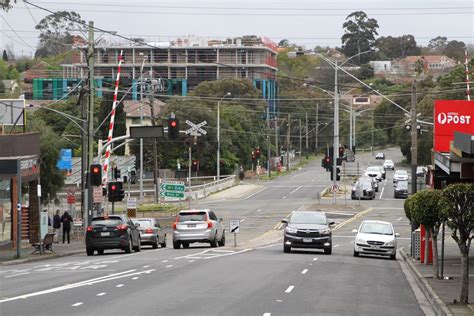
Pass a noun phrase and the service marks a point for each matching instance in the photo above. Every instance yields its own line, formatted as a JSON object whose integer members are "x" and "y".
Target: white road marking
{"x": 300, "y": 208}
{"x": 335, "y": 246}
{"x": 381, "y": 193}
{"x": 284, "y": 197}
{"x": 147, "y": 266}
{"x": 289, "y": 289}
{"x": 267, "y": 314}
{"x": 119, "y": 285}
{"x": 230, "y": 254}
{"x": 101, "y": 294}
{"x": 279, "y": 301}
{"x": 77, "y": 304}
{"x": 135, "y": 278}
{"x": 191, "y": 261}
{"x": 341, "y": 213}
{"x": 269, "y": 246}
{"x": 300, "y": 174}
{"x": 399, "y": 219}
{"x": 304, "y": 271}
{"x": 314, "y": 259}
{"x": 259, "y": 210}
{"x": 164, "y": 261}
{"x": 295, "y": 189}
{"x": 242, "y": 220}
{"x": 248, "y": 197}
{"x": 15, "y": 275}
{"x": 223, "y": 250}
{"x": 310, "y": 264}
{"x": 169, "y": 266}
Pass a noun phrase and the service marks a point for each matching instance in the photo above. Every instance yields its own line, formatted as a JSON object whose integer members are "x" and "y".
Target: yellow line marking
{"x": 353, "y": 218}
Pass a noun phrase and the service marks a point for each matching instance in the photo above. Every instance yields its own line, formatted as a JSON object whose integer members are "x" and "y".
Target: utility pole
{"x": 414, "y": 140}
{"x": 84, "y": 171}
{"x": 351, "y": 115}
{"x": 90, "y": 136}
{"x": 141, "y": 124}
{"x": 288, "y": 135}
{"x": 316, "y": 130}
{"x": 336, "y": 130}
{"x": 268, "y": 142}
{"x": 301, "y": 139}
{"x": 306, "y": 130}
{"x": 151, "y": 97}
{"x": 277, "y": 149}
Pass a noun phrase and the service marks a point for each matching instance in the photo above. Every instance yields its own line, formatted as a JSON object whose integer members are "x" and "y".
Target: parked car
{"x": 363, "y": 189}
{"x": 193, "y": 226}
{"x": 375, "y": 238}
{"x": 421, "y": 171}
{"x": 400, "y": 175}
{"x": 112, "y": 232}
{"x": 388, "y": 164}
{"x": 401, "y": 189}
{"x": 374, "y": 172}
{"x": 151, "y": 232}
{"x": 307, "y": 229}
{"x": 380, "y": 156}
{"x": 383, "y": 172}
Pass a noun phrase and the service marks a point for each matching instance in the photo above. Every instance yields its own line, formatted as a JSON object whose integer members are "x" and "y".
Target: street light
{"x": 141, "y": 124}
{"x": 218, "y": 165}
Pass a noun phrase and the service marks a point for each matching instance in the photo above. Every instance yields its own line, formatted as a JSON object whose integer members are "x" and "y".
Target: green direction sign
{"x": 172, "y": 187}
{"x": 172, "y": 194}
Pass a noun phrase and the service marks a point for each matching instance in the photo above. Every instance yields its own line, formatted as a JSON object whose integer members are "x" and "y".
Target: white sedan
{"x": 374, "y": 172}
{"x": 375, "y": 238}
{"x": 388, "y": 164}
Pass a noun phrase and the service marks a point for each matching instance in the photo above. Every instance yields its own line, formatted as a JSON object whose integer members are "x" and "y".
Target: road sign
{"x": 71, "y": 191}
{"x": 132, "y": 203}
{"x": 97, "y": 193}
{"x": 146, "y": 131}
{"x": 172, "y": 187}
{"x": 234, "y": 226}
{"x": 71, "y": 199}
{"x": 334, "y": 188}
{"x": 195, "y": 128}
{"x": 172, "y": 194}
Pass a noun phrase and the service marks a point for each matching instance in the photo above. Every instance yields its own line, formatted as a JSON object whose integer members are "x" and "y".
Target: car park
{"x": 401, "y": 189}
{"x": 307, "y": 229}
{"x": 193, "y": 226}
{"x": 400, "y": 175}
{"x": 151, "y": 232}
{"x": 380, "y": 156}
{"x": 112, "y": 232}
{"x": 388, "y": 164}
{"x": 375, "y": 238}
{"x": 363, "y": 189}
{"x": 374, "y": 172}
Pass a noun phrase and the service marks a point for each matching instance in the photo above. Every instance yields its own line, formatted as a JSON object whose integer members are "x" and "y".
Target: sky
{"x": 304, "y": 22}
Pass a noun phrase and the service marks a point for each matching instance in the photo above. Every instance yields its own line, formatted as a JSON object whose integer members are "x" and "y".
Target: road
{"x": 256, "y": 278}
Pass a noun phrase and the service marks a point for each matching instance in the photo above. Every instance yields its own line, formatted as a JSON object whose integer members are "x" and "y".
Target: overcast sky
{"x": 307, "y": 23}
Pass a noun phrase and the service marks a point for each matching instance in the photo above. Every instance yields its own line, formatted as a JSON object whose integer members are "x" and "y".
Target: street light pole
{"x": 336, "y": 131}
{"x": 141, "y": 124}
{"x": 350, "y": 126}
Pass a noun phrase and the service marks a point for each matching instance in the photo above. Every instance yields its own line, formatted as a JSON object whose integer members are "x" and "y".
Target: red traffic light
{"x": 195, "y": 162}
{"x": 173, "y": 123}
{"x": 113, "y": 187}
{"x": 95, "y": 169}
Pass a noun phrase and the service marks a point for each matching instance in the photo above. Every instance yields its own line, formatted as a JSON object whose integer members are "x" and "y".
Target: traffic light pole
{"x": 90, "y": 136}
{"x": 336, "y": 131}
{"x": 113, "y": 208}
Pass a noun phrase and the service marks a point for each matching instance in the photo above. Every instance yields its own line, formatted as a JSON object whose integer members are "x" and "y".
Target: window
{"x": 308, "y": 218}
{"x": 110, "y": 221}
{"x": 143, "y": 222}
{"x": 212, "y": 216}
{"x": 376, "y": 228}
{"x": 192, "y": 216}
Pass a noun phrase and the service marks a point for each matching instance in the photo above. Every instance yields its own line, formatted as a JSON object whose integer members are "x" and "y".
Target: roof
{"x": 132, "y": 108}
{"x": 427, "y": 58}
{"x": 191, "y": 211}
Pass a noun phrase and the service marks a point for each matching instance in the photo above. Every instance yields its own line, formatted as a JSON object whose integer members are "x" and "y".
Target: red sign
{"x": 451, "y": 116}
{"x": 71, "y": 199}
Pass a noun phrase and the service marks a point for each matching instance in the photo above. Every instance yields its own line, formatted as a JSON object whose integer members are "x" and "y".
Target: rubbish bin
{"x": 416, "y": 243}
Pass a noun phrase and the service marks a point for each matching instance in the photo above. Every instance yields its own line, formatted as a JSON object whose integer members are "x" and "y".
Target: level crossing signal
{"x": 173, "y": 128}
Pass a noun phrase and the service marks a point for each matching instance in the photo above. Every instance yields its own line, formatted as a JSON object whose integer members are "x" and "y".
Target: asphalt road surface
{"x": 252, "y": 279}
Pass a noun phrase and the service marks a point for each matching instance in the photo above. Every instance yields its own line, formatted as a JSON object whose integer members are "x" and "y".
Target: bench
{"x": 46, "y": 245}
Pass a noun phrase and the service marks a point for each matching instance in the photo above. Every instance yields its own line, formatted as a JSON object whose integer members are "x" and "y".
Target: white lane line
{"x": 135, "y": 278}
{"x": 269, "y": 246}
{"x": 119, "y": 285}
{"x": 284, "y": 197}
{"x": 279, "y": 301}
{"x": 304, "y": 271}
{"x": 381, "y": 193}
{"x": 335, "y": 246}
{"x": 77, "y": 304}
{"x": 101, "y": 294}
{"x": 169, "y": 266}
{"x": 301, "y": 207}
{"x": 15, "y": 275}
{"x": 314, "y": 259}
{"x": 295, "y": 189}
{"x": 164, "y": 261}
{"x": 259, "y": 210}
{"x": 248, "y": 197}
{"x": 193, "y": 254}
{"x": 147, "y": 266}
{"x": 223, "y": 250}
{"x": 399, "y": 219}
{"x": 242, "y": 220}
{"x": 289, "y": 289}
{"x": 229, "y": 254}
{"x": 267, "y": 314}
{"x": 310, "y": 264}
{"x": 336, "y": 236}
{"x": 191, "y": 261}
{"x": 341, "y": 213}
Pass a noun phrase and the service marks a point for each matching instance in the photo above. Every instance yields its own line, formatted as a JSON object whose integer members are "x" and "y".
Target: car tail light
{"x": 122, "y": 227}
{"x": 149, "y": 231}
{"x": 209, "y": 224}
{"x": 174, "y": 225}
{"x": 90, "y": 228}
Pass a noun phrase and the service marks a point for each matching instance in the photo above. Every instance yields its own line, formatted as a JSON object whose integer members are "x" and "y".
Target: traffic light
{"x": 195, "y": 165}
{"x": 116, "y": 193}
{"x": 221, "y": 163}
{"x": 338, "y": 176}
{"x": 173, "y": 128}
{"x": 96, "y": 174}
{"x": 326, "y": 162}
{"x": 257, "y": 153}
{"x": 254, "y": 157}
{"x": 117, "y": 173}
{"x": 341, "y": 152}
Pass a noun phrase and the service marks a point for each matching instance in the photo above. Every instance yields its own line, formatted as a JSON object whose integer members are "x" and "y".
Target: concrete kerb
{"x": 41, "y": 258}
{"x": 437, "y": 304}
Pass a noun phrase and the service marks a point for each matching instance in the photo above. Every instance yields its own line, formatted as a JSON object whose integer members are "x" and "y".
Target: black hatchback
{"x": 112, "y": 232}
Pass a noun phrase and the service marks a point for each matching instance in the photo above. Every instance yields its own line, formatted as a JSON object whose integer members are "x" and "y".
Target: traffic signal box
{"x": 326, "y": 162}
{"x": 257, "y": 153}
{"x": 195, "y": 165}
{"x": 116, "y": 192}
{"x": 338, "y": 176}
{"x": 96, "y": 174}
{"x": 254, "y": 157}
{"x": 173, "y": 128}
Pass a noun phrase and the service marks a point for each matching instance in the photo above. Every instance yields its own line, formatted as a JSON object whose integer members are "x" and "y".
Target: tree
{"x": 283, "y": 43}
{"x": 5, "y": 4}
{"x": 455, "y": 50}
{"x": 458, "y": 208}
{"x": 5, "y": 56}
{"x": 438, "y": 44}
{"x": 426, "y": 209}
{"x": 55, "y": 37}
{"x": 396, "y": 47}
{"x": 359, "y": 35}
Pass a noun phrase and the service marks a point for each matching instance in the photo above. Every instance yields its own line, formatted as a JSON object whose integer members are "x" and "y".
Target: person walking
{"x": 66, "y": 219}
{"x": 56, "y": 226}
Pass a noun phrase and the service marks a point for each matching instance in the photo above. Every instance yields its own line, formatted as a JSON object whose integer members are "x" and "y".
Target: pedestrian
{"x": 66, "y": 219}
{"x": 56, "y": 226}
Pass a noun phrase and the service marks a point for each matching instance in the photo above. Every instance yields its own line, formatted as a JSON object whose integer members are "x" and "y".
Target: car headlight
{"x": 390, "y": 243}
{"x": 324, "y": 232}
{"x": 368, "y": 190}
{"x": 360, "y": 241}
{"x": 291, "y": 230}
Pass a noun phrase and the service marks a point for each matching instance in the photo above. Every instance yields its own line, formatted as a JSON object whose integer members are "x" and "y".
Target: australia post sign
{"x": 451, "y": 116}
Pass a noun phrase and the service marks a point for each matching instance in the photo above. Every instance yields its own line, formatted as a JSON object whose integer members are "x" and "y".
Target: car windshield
{"x": 402, "y": 185}
{"x": 376, "y": 169}
{"x": 401, "y": 173}
{"x": 111, "y": 221}
{"x": 376, "y": 228}
{"x": 308, "y": 218}
{"x": 143, "y": 222}
{"x": 389, "y": 162}
{"x": 193, "y": 217}
{"x": 364, "y": 185}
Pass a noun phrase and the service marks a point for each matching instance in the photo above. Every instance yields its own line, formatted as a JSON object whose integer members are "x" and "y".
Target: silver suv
{"x": 198, "y": 226}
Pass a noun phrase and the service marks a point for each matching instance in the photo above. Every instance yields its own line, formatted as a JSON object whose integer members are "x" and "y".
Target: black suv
{"x": 112, "y": 232}
{"x": 308, "y": 229}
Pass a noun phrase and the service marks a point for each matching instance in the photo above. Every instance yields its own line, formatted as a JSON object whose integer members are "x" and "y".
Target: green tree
{"x": 55, "y": 36}
{"x": 427, "y": 209}
{"x": 52, "y": 179}
{"x": 459, "y": 211}
{"x": 5, "y": 56}
{"x": 359, "y": 35}
{"x": 396, "y": 47}
{"x": 455, "y": 50}
{"x": 2, "y": 87}
{"x": 438, "y": 44}
{"x": 6, "y": 4}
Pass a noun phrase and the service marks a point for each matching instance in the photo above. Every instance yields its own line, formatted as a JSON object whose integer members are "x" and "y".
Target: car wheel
{"x": 222, "y": 241}
{"x": 176, "y": 244}
{"x": 100, "y": 251}
{"x": 185, "y": 245}
{"x": 286, "y": 248}
{"x": 393, "y": 257}
{"x": 328, "y": 251}
{"x": 128, "y": 248}
{"x": 155, "y": 245}
{"x": 356, "y": 254}
{"x": 163, "y": 244}
{"x": 214, "y": 242}
{"x": 138, "y": 247}
{"x": 90, "y": 251}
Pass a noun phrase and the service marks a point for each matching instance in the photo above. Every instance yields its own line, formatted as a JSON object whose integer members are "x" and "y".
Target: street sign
{"x": 97, "y": 194}
{"x": 195, "y": 129}
{"x": 132, "y": 203}
{"x": 65, "y": 159}
{"x": 146, "y": 131}
{"x": 234, "y": 226}
{"x": 172, "y": 194}
{"x": 71, "y": 199}
{"x": 172, "y": 187}
{"x": 334, "y": 188}
{"x": 71, "y": 191}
